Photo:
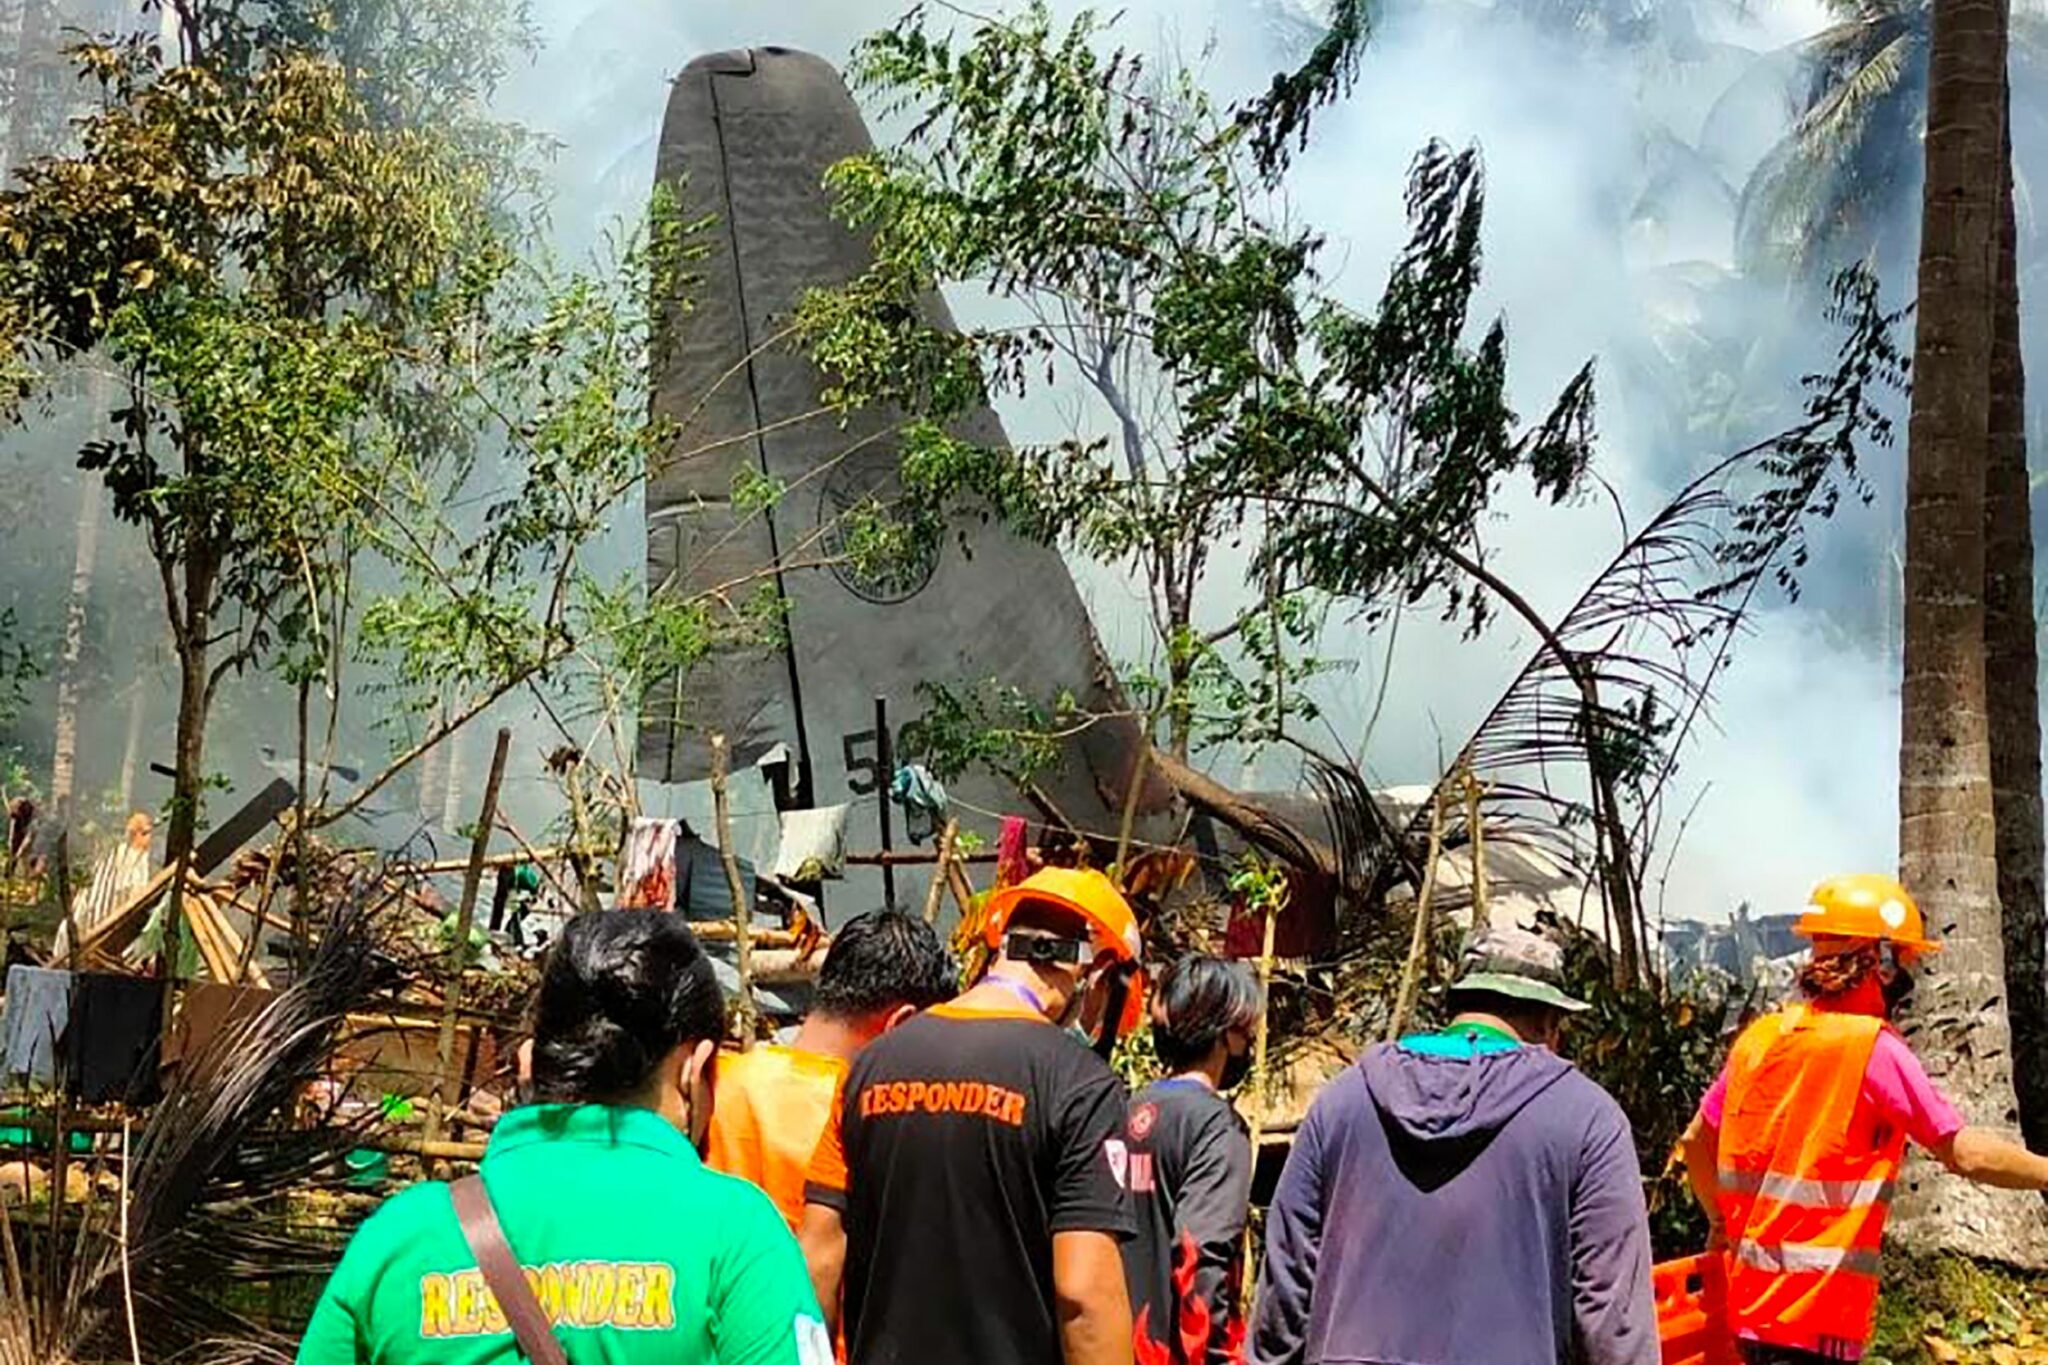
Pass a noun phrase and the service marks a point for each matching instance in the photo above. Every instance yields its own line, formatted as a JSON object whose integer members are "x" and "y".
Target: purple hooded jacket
{"x": 1474, "y": 1209}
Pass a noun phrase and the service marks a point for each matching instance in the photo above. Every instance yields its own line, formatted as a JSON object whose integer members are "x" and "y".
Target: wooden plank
{"x": 200, "y": 914}
{"x": 125, "y": 922}
{"x": 231, "y": 938}
{"x": 244, "y": 825}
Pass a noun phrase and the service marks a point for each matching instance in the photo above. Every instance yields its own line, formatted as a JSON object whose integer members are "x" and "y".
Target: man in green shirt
{"x": 636, "y": 1252}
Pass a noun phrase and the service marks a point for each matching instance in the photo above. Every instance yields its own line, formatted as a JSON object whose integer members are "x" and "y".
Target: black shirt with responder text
{"x": 964, "y": 1141}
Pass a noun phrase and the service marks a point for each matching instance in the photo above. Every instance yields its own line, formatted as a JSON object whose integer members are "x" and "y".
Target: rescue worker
{"x": 967, "y": 1204}
{"x": 1463, "y": 1197}
{"x": 773, "y": 1102}
{"x": 1191, "y": 1165}
{"x": 633, "y": 1253}
{"x": 1797, "y": 1145}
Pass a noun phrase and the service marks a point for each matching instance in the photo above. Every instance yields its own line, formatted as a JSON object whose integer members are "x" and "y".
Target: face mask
{"x": 1236, "y": 1067}
{"x": 1070, "y": 1017}
{"x": 1897, "y": 984}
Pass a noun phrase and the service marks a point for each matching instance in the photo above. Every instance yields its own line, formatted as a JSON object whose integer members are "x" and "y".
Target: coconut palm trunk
{"x": 1947, "y": 836}
{"x": 2012, "y": 668}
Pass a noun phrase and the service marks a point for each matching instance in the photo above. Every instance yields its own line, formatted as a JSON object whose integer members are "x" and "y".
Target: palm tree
{"x": 1947, "y": 841}
{"x": 2012, "y": 677}
{"x": 1841, "y": 184}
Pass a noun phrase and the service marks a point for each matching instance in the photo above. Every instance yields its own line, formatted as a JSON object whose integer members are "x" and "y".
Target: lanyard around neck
{"x": 1021, "y": 991}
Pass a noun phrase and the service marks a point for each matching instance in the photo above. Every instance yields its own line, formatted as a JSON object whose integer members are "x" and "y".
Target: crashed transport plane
{"x": 748, "y": 138}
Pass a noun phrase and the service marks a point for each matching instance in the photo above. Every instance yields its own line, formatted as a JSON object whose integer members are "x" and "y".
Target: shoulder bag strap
{"x": 523, "y": 1313}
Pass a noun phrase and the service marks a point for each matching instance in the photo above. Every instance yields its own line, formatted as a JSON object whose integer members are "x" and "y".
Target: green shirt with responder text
{"x": 637, "y": 1252}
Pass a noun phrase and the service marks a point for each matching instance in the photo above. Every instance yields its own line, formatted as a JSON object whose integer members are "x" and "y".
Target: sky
{"x": 1797, "y": 779}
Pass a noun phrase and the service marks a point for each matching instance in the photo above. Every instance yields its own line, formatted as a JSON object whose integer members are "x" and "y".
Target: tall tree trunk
{"x": 2012, "y": 670}
{"x": 85, "y": 554}
{"x": 188, "y": 784}
{"x": 64, "y": 759}
{"x": 39, "y": 84}
{"x": 1947, "y": 840}
{"x": 131, "y": 748}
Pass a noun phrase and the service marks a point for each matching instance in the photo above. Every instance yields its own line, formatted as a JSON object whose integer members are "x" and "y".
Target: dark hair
{"x": 621, "y": 990}
{"x": 1835, "y": 974}
{"x": 881, "y": 960}
{"x": 1197, "y": 1001}
{"x": 1050, "y": 917}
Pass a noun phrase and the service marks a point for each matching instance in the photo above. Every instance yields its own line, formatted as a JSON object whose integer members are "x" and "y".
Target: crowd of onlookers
{"x": 923, "y": 1174}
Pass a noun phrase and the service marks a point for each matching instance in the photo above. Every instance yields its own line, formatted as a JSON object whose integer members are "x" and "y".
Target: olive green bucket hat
{"x": 1520, "y": 965}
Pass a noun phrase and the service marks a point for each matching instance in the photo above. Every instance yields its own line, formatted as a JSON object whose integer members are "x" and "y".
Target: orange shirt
{"x": 772, "y": 1105}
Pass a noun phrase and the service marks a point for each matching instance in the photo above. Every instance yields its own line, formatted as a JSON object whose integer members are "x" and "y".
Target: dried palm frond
{"x": 1577, "y": 752}
{"x": 208, "y": 1173}
{"x": 1366, "y": 847}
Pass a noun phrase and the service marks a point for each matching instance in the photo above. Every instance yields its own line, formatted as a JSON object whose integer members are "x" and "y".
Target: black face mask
{"x": 1897, "y": 985}
{"x": 1236, "y": 1066}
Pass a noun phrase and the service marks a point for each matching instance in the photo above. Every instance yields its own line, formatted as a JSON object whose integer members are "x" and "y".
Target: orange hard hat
{"x": 1865, "y": 905}
{"x": 1094, "y": 899}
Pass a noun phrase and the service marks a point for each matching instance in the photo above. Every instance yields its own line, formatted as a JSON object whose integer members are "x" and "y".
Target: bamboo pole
{"x": 1418, "y": 943}
{"x": 963, "y": 890}
{"x": 742, "y": 913}
{"x": 936, "y": 892}
{"x": 465, "y": 916}
{"x": 496, "y": 860}
{"x": 1140, "y": 766}
{"x": 579, "y": 821}
{"x": 1475, "y": 829}
{"x": 918, "y": 857}
{"x": 1276, "y": 904}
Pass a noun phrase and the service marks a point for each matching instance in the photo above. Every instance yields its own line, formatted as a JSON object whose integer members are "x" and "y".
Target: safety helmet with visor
{"x": 1108, "y": 944}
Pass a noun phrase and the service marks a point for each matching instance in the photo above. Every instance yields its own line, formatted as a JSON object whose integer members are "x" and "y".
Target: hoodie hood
{"x": 1429, "y": 1099}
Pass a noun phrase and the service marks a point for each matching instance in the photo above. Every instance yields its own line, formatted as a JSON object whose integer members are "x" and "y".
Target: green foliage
{"x": 1946, "y": 1310}
{"x": 259, "y": 232}
{"x": 1136, "y": 1060}
{"x": 989, "y": 725}
{"x": 18, "y": 668}
{"x": 1129, "y": 221}
{"x": 1281, "y": 117}
{"x": 1259, "y": 883}
{"x": 1656, "y": 1052}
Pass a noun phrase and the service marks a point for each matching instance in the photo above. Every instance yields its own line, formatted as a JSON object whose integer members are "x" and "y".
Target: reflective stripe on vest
{"x": 1809, "y": 1194}
{"x": 1806, "y": 1180}
{"x": 1792, "y": 1258}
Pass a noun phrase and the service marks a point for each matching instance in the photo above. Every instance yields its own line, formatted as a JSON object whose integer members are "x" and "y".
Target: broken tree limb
{"x": 465, "y": 915}
{"x": 742, "y": 913}
{"x": 1259, "y": 826}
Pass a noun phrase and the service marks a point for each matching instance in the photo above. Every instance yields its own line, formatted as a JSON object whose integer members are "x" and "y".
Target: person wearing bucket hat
{"x": 1464, "y": 1197}
{"x": 968, "y": 1200}
{"x": 1797, "y": 1144}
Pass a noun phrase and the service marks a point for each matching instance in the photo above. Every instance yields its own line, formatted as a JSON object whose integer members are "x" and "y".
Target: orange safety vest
{"x": 1806, "y": 1174}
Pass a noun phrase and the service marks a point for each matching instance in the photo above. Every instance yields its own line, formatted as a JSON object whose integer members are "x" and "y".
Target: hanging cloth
{"x": 647, "y": 878}
{"x": 923, "y": 800}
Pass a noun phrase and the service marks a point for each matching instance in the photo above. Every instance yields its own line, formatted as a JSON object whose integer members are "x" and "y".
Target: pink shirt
{"x": 1894, "y": 1083}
